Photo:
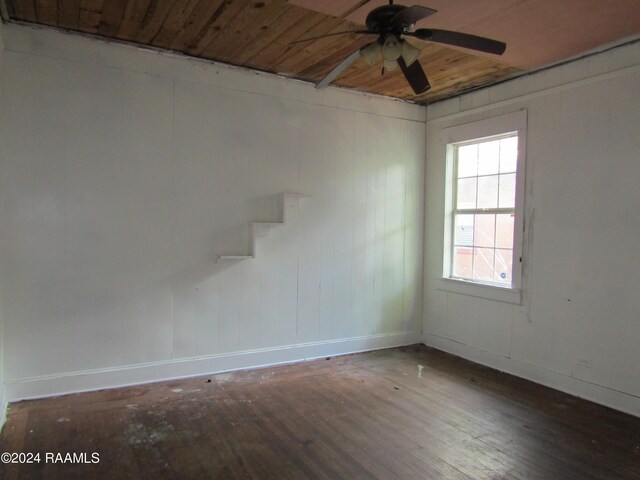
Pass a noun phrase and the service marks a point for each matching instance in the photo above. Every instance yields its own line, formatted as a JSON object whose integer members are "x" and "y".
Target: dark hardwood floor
{"x": 365, "y": 416}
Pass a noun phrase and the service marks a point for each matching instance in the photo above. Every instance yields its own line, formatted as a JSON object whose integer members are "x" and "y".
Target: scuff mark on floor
{"x": 139, "y": 433}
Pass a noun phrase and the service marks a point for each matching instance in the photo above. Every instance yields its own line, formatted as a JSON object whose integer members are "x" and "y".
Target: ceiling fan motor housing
{"x": 379, "y": 19}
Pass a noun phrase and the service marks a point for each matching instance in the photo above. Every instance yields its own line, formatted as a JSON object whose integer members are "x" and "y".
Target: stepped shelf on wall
{"x": 263, "y": 229}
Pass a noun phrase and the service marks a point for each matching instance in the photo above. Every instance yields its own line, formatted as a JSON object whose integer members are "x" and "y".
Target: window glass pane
{"x": 467, "y": 193}
{"x": 468, "y": 161}
{"x": 489, "y": 157}
{"x": 488, "y": 192}
{"x": 464, "y": 230}
{"x": 508, "y": 190}
{"x": 508, "y": 154}
{"x": 503, "y": 259}
{"x": 485, "y": 231}
{"x": 462, "y": 262}
{"x": 504, "y": 231}
{"x": 483, "y": 264}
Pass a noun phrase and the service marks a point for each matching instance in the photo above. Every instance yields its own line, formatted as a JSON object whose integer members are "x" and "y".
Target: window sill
{"x": 489, "y": 292}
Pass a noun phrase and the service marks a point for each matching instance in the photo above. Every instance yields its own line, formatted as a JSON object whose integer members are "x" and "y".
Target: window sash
{"x": 477, "y": 211}
{"x": 474, "y": 245}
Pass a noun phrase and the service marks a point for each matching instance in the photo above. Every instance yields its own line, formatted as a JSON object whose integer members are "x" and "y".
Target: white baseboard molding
{"x": 3, "y": 412}
{"x": 615, "y": 399}
{"x": 83, "y": 381}
{"x": 3, "y": 404}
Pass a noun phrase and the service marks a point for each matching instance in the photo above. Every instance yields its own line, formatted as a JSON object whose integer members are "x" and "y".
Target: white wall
{"x": 3, "y": 398}
{"x": 579, "y": 324}
{"x": 127, "y": 172}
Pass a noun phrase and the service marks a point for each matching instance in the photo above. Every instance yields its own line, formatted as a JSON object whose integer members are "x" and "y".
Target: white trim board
{"x": 608, "y": 397}
{"x": 4, "y": 407}
{"x": 83, "y": 381}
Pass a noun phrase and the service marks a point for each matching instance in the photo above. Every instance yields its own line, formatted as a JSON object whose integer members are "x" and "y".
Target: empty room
{"x": 296, "y": 239}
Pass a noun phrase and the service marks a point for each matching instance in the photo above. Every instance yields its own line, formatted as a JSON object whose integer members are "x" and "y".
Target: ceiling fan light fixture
{"x": 371, "y": 53}
{"x": 409, "y": 53}
{"x": 391, "y": 48}
{"x": 389, "y": 65}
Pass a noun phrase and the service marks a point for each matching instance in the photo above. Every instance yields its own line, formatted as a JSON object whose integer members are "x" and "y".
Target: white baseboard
{"x": 3, "y": 411}
{"x": 615, "y": 399}
{"x": 74, "y": 382}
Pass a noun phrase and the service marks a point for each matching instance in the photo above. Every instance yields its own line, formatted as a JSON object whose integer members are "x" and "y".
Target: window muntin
{"x": 484, "y": 209}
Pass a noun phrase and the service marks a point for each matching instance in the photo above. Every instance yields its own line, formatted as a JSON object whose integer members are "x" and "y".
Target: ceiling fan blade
{"x": 415, "y": 76}
{"x": 332, "y": 34}
{"x": 342, "y": 66}
{"x": 459, "y": 39}
{"x": 410, "y": 15}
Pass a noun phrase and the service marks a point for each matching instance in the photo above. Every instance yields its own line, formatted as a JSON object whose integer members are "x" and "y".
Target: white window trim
{"x": 515, "y": 122}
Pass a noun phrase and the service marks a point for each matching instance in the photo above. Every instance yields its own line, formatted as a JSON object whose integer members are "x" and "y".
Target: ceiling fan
{"x": 389, "y": 23}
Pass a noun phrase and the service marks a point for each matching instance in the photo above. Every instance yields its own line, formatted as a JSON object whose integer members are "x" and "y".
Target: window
{"x": 483, "y": 218}
{"x": 484, "y": 209}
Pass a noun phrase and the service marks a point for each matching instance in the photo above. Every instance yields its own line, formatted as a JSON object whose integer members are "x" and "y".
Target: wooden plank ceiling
{"x": 257, "y": 34}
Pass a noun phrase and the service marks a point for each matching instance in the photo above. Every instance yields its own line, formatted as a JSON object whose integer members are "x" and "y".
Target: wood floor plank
{"x": 365, "y": 416}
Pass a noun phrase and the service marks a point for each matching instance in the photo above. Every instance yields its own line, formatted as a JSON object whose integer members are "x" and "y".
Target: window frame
{"x": 475, "y": 132}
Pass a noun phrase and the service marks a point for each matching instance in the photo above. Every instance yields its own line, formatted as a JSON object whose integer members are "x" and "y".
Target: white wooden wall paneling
{"x": 577, "y": 327}
{"x": 122, "y": 184}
